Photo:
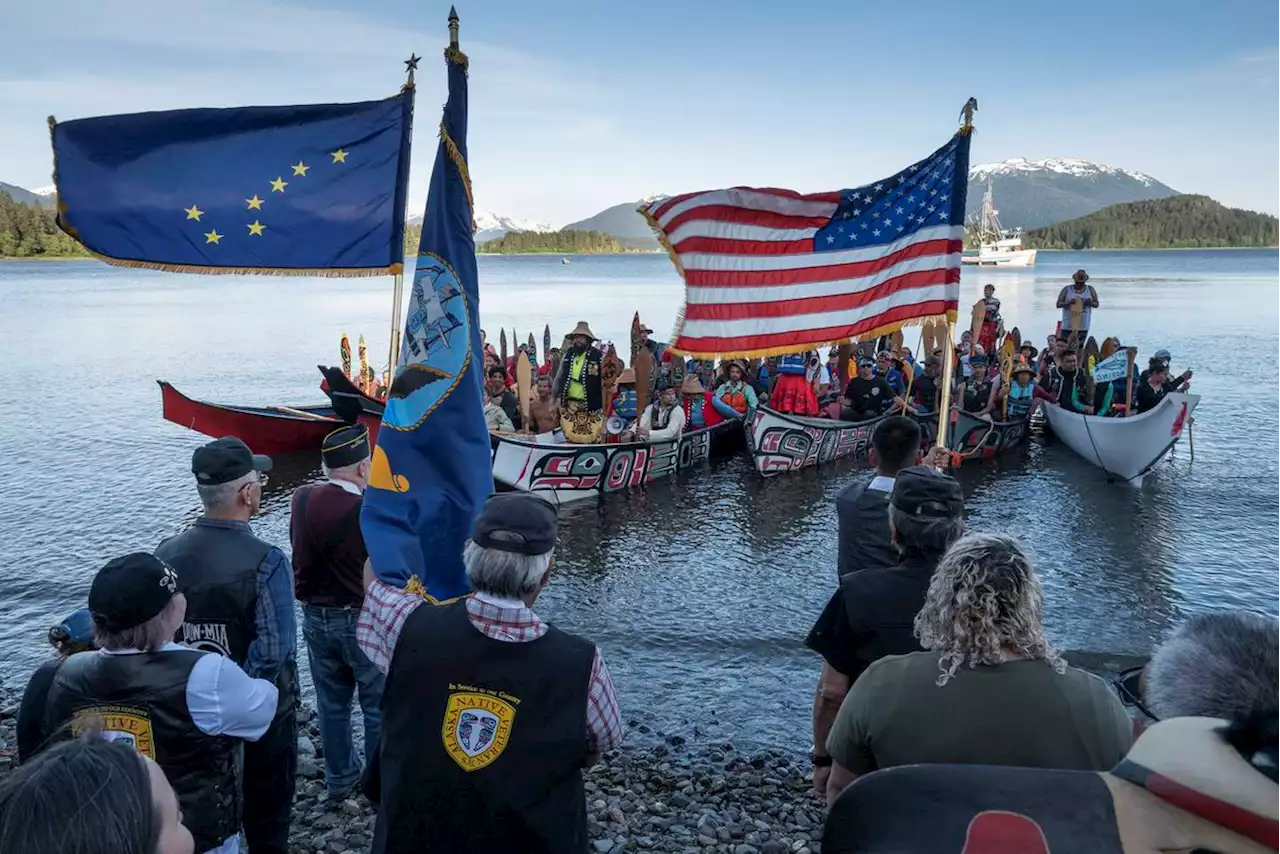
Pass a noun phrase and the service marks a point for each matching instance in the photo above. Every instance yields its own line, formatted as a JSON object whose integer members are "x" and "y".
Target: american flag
{"x": 771, "y": 271}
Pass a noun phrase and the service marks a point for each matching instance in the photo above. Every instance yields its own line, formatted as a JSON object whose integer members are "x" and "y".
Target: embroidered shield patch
{"x": 126, "y": 724}
{"x": 476, "y": 728}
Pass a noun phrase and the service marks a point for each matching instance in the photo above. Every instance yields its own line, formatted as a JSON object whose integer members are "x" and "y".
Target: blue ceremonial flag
{"x": 432, "y": 465}
{"x": 1112, "y": 368}
{"x": 295, "y": 190}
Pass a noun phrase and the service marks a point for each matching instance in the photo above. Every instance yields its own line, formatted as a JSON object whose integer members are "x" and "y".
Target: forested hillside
{"x": 1177, "y": 222}
{"x": 29, "y": 231}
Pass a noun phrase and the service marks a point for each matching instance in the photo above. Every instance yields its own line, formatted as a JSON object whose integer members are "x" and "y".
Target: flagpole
{"x": 948, "y": 352}
{"x": 397, "y": 288}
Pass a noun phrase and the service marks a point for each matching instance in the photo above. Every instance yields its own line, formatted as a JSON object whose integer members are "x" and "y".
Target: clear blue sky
{"x": 579, "y": 105}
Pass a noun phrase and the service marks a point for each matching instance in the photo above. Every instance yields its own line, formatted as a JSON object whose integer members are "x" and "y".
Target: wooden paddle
{"x": 502, "y": 348}
{"x": 546, "y": 341}
{"x": 979, "y": 315}
{"x": 298, "y": 413}
{"x": 845, "y": 353}
{"x": 1108, "y": 348}
{"x": 1089, "y": 356}
{"x": 895, "y": 341}
{"x": 533, "y": 349}
{"x": 1008, "y": 355}
{"x": 642, "y": 364}
{"x": 524, "y": 390}
{"x": 635, "y": 337}
{"x": 1074, "y": 320}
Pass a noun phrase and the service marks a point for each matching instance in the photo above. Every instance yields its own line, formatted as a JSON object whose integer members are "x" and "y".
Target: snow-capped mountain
{"x": 491, "y": 226}
{"x": 49, "y": 191}
{"x": 1033, "y": 193}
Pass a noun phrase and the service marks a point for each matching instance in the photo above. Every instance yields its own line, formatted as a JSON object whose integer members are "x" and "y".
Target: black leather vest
{"x": 142, "y": 699}
{"x": 483, "y": 741}
{"x": 218, "y": 569}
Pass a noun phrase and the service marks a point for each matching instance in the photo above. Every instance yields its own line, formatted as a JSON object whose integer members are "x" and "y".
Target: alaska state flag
{"x": 432, "y": 466}
{"x": 302, "y": 190}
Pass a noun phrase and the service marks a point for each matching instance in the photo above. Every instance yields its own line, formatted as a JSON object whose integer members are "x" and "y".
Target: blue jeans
{"x": 338, "y": 666}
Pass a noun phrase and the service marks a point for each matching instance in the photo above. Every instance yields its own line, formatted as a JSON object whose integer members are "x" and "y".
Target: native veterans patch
{"x": 477, "y": 726}
{"x": 125, "y": 724}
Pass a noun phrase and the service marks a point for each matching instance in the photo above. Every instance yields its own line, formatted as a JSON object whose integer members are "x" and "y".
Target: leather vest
{"x": 218, "y": 569}
{"x": 142, "y": 699}
{"x": 483, "y": 741}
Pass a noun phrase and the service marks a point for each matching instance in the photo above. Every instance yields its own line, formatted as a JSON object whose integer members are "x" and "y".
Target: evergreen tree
{"x": 1176, "y": 222}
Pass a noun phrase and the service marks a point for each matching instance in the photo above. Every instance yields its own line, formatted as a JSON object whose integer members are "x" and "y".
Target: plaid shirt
{"x": 387, "y": 607}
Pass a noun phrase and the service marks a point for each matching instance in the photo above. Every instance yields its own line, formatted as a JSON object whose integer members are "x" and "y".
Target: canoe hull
{"x": 782, "y": 443}
{"x": 565, "y": 472}
{"x": 264, "y": 429}
{"x": 976, "y": 439}
{"x": 1125, "y": 448}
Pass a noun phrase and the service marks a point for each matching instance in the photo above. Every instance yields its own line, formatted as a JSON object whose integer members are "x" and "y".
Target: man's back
{"x": 862, "y": 513}
{"x": 483, "y": 739}
{"x": 1020, "y": 713}
{"x": 328, "y": 546}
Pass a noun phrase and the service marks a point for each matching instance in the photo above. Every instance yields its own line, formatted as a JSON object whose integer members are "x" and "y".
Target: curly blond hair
{"x": 984, "y": 598}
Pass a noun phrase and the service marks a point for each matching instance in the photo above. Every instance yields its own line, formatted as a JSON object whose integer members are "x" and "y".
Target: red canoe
{"x": 265, "y": 429}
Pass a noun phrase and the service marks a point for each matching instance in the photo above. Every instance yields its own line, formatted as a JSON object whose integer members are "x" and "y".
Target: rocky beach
{"x": 659, "y": 792}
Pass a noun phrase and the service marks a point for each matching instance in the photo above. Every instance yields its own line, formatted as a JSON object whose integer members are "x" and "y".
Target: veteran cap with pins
{"x": 345, "y": 446}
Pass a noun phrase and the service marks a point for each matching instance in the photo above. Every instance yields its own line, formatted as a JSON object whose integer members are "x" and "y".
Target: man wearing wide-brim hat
{"x": 698, "y": 409}
{"x": 1022, "y": 391}
{"x": 578, "y": 386}
{"x": 1084, "y": 293}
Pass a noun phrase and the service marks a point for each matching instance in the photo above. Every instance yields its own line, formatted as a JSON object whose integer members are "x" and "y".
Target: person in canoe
{"x": 497, "y": 392}
{"x": 1148, "y": 394}
{"x": 1022, "y": 393}
{"x": 624, "y": 397}
{"x": 890, "y": 367}
{"x": 1087, "y": 296}
{"x": 663, "y": 419}
{"x": 924, "y": 389}
{"x": 544, "y": 414}
{"x": 734, "y": 398}
{"x": 1067, "y": 385}
{"x": 1178, "y": 383}
{"x": 699, "y": 409}
{"x": 992, "y": 322}
{"x": 1028, "y": 354}
{"x": 867, "y": 396}
{"x": 578, "y": 387}
{"x": 978, "y": 392}
{"x": 793, "y": 392}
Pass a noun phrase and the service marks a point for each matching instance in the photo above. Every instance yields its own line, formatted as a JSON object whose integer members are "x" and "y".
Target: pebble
{"x": 662, "y": 794}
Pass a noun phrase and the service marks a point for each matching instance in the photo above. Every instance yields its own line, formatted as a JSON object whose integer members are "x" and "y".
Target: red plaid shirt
{"x": 387, "y": 607}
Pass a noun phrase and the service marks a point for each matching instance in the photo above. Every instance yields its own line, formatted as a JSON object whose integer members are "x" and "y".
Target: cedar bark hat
{"x": 583, "y": 329}
{"x": 691, "y": 385}
{"x": 1080, "y": 276}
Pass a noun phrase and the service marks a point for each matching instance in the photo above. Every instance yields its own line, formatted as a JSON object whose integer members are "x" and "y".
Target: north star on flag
{"x": 772, "y": 271}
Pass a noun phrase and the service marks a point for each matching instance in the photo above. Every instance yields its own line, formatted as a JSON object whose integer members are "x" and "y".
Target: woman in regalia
{"x": 793, "y": 392}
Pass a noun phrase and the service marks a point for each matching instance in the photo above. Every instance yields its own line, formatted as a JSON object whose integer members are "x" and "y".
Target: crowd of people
{"x": 166, "y": 722}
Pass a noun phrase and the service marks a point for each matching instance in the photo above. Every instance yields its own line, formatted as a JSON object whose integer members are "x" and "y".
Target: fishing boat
{"x": 564, "y": 472}
{"x": 1125, "y": 448}
{"x": 265, "y": 429}
{"x": 781, "y": 443}
{"x": 997, "y": 246}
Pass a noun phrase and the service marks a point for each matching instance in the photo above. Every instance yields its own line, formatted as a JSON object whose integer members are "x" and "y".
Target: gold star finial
{"x": 278, "y": 185}
{"x": 300, "y": 168}
{"x": 255, "y": 204}
{"x": 212, "y": 236}
{"x": 339, "y": 156}
{"x": 194, "y": 212}
{"x": 255, "y": 228}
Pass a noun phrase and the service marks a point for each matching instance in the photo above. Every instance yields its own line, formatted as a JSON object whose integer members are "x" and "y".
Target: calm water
{"x": 699, "y": 591}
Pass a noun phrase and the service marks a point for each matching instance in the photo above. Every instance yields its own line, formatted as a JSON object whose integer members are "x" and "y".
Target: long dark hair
{"x": 86, "y": 796}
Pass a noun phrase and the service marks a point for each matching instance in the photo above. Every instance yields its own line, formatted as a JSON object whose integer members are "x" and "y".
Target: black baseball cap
{"x": 517, "y": 522}
{"x": 924, "y": 491}
{"x": 223, "y": 460}
{"x": 130, "y": 590}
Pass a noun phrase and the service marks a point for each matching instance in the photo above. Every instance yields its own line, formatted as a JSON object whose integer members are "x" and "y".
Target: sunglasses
{"x": 261, "y": 481}
{"x": 1128, "y": 685}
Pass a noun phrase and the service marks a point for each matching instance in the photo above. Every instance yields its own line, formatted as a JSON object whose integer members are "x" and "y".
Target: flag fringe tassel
{"x": 322, "y": 272}
{"x": 415, "y": 587}
{"x": 949, "y": 316}
{"x": 459, "y": 162}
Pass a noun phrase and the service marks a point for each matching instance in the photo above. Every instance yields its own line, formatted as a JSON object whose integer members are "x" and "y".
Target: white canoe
{"x": 1125, "y": 448}
{"x": 563, "y": 472}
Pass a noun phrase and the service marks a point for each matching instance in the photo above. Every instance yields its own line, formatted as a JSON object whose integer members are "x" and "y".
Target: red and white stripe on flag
{"x": 756, "y": 283}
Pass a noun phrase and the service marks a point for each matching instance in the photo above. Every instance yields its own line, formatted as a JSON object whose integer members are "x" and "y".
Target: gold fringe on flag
{"x": 885, "y": 329}
{"x": 321, "y": 272}
{"x": 460, "y": 162}
{"x": 415, "y": 587}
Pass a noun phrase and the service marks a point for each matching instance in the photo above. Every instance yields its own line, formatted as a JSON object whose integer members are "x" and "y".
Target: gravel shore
{"x": 663, "y": 795}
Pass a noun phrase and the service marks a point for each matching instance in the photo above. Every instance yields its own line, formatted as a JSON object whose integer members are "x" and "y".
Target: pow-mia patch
{"x": 476, "y": 728}
{"x": 126, "y": 724}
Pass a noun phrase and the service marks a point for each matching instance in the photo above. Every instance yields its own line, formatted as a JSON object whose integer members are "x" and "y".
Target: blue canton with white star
{"x": 920, "y": 196}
